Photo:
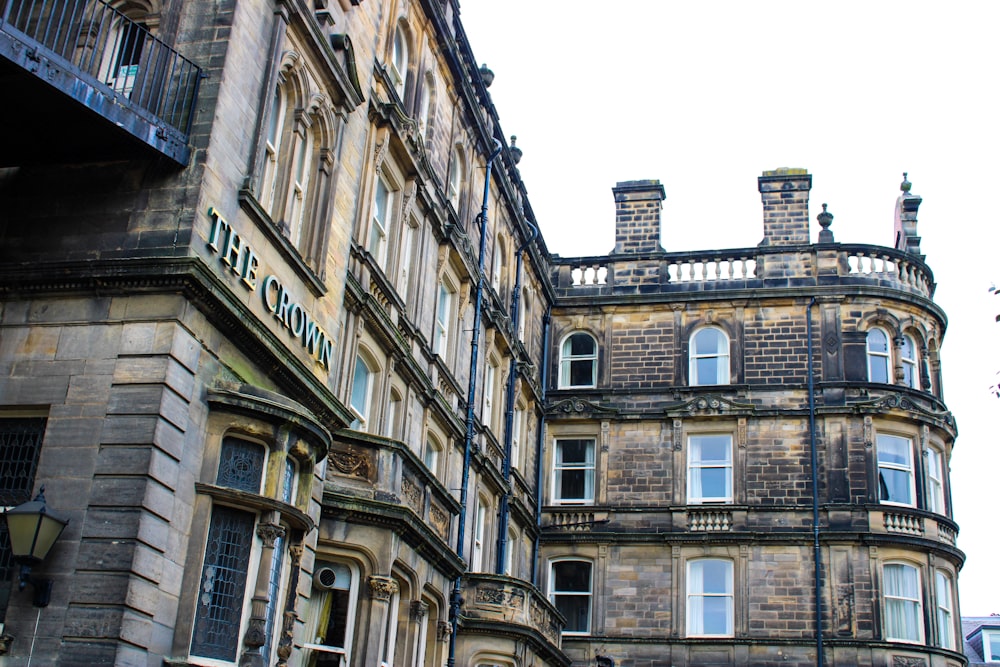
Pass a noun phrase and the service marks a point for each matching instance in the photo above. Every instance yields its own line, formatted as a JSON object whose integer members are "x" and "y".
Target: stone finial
{"x": 487, "y": 75}
{"x": 905, "y": 219}
{"x": 515, "y": 152}
{"x": 825, "y": 219}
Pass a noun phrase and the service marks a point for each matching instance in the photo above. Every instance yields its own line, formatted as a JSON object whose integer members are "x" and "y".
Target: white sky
{"x": 704, "y": 96}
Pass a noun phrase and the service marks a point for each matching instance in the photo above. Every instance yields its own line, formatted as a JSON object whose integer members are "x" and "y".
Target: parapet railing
{"x": 739, "y": 268}
{"x": 96, "y": 39}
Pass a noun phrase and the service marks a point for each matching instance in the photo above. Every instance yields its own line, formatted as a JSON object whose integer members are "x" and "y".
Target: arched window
{"x": 428, "y": 108}
{"x": 400, "y": 60}
{"x": 879, "y": 358}
{"x": 432, "y": 454}
{"x": 298, "y": 191}
{"x": 361, "y": 393}
{"x": 333, "y": 605}
{"x": 904, "y": 615}
{"x": 571, "y": 591}
{"x": 272, "y": 146}
{"x": 578, "y": 361}
{"x": 710, "y": 597}
{"x": 709, "y": 357}
{"x": 378, "y": 242}
{"x": 908, "y": 358}
{"x": 456, "y": 179}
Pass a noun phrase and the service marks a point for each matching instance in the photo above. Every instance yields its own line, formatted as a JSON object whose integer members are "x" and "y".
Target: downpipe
{"x": 539, "y": 442}
{"x": 817, "y": 565}
{"x": 508, "y": 438}
{"x": 470, "y": 412}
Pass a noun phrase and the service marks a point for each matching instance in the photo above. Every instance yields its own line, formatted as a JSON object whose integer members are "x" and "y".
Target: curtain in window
{"x": 902, "y": 602}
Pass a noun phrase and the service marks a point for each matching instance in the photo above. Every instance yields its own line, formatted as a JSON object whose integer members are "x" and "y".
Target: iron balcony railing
{"x": 98, "y": 40}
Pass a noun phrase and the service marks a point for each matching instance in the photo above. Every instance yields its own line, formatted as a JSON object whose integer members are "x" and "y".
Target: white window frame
{"x": 508, "y": 562}
{"x": 899, "y": 602}
{"x": 935, "y": 480}
{"x": 362, "y": 413}
{"x": 720, "y": 354}
{"x": 499, "y": 266}
{"x": 908, "y": 357}
{"x": 432, "y": 453}
{"x": 443, "y": 317}
{"x": 490, "y": 375}
{"x": 516, "y": 431}
{"x": 588, "y": 468}
{"x": 696, "y": 463}
{"x": 272, "y": 148}
{"x": 428, "y": 102}
{"x": 555, "y": 593}
{"x": 888, "y": 466}
{"x": 456, "y": 179}
{"x": 399, "y": 60}
{"x": 696, "y": 596}
{"x": 299, "y": 192}
{"x": 944, "y": 598}
{"x": 378, "y": 241}
{"x": 567, "y": 359}
{"x": 317, "y": 602}
{"x": 989, "y": 636}
{"x": 479, "y": 536}
{"x": 879, "y": 359}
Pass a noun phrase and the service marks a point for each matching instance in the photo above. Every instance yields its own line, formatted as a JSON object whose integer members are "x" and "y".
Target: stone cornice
{"x": 193, "y": 279}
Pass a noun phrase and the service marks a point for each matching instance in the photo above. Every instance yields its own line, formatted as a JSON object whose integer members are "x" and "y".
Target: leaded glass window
{"x": 20, "y": 444}
{"x": 241, "y": 465}
{"x": 223, "y": 584}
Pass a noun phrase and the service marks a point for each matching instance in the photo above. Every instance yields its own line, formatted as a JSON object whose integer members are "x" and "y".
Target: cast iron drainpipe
{"x": 539, "y": 441}
{"x": 470, "y": 412}
{"x": 508, "y": 439}
{"x": 818, "y": 593}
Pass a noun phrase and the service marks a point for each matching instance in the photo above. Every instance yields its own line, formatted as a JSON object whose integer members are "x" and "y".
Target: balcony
{"x": 83, "y": 82}
{"x": 506, "y": 605}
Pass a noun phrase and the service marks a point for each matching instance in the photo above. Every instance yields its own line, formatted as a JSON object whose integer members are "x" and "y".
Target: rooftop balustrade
{"x": 741, "y": 268}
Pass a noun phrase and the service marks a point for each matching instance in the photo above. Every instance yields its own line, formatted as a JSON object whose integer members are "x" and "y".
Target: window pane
{"x": 893, "y": 449}
{"x": 709, "y": 341}
{"x": 716, "y": 620}
{"x": 580, "y": 345}
{"x": 714, "y": 483}
{"x": 359, "y": 392}
{"x": 575, "y": 451}
{"x": 581, "y": 373}
{"x": 878, "y": 341}
{"x": 241, "y": 465}
{"x": 571, "y": 576}
{"x": 576, "y": 609}
{"x": 223, "y": 583}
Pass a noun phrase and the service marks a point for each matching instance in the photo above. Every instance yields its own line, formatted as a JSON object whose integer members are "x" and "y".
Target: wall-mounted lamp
{"x": 33, "y": 529}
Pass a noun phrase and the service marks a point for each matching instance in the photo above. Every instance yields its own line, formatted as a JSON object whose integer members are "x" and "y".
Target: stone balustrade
{"x": 740, "y": 268}
{"x": 709, "y": 520}
{"x": 519, "y": 606}
{"x": 902, "y": 522}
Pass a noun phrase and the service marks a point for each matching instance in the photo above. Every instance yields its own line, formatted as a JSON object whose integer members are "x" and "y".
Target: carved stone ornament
{"x": 908, "y": 661}
{"x": 382, "y": 588}
{"x": 869, "y": 432}
{"x": 443, "y": 631}
{"x": 710, "y": 403}
{"x": 269, "y": 533}
{"x": 418, "y": 609}
{"x": 254, "y": 637}
{"x": 580, "y": 406}
{"x": 500, "y": 597}
{"x": 350, "y": 463}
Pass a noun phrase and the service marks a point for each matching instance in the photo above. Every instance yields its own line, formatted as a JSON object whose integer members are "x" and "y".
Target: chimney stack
{"x": 638, "y": 205}
{"x": 785, "y": 195}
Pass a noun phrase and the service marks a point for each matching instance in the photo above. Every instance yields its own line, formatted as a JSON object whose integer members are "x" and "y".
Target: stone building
{"x": 280, "y": 338}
